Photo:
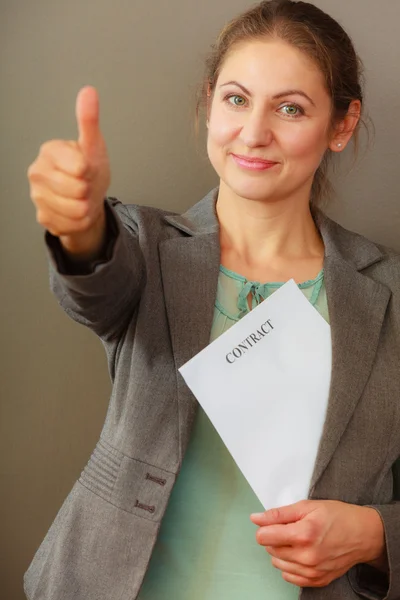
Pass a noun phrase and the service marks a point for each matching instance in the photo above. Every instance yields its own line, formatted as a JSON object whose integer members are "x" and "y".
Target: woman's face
{"x": 269, "y": 102}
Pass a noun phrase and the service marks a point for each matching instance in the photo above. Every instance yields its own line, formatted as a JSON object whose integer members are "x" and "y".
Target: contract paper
{"x": 264, "y": 384}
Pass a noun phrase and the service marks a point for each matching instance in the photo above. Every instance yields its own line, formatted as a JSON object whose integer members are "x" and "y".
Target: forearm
{"x": 102, "y": 292}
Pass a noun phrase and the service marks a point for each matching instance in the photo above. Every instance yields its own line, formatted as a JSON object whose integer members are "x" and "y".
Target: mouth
{"x": 254, "y": 163}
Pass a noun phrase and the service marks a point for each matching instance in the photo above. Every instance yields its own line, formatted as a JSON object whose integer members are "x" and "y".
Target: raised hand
{"x": 69, "y": 180}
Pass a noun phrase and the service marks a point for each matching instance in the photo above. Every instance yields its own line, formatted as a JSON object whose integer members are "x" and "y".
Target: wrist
{"x": 373, "y": 535}
{"x": 86, "y": 246}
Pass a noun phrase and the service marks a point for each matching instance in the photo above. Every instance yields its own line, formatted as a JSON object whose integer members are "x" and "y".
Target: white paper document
{"x": 264, "y": 384}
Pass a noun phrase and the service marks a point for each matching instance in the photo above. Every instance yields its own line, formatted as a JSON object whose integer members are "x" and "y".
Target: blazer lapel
{"x": 357, "y": 306}
{"x": 190, "y": 268}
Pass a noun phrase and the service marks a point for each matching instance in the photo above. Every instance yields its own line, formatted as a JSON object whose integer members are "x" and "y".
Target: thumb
{"x": 87, "y": 116}
{"x": 282, "y": 515}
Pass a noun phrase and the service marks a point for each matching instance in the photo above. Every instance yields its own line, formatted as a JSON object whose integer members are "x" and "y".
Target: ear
{"x": 345, "y": 128}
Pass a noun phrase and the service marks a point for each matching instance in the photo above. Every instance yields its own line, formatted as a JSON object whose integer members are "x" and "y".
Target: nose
{"x": 256, "y": 130}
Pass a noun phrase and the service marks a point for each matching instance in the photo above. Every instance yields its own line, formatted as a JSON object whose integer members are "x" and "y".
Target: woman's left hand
{"x": 314, "y": 542}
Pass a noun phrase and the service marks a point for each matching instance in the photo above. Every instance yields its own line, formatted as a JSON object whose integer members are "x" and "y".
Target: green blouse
{"x": 231, "y": 303}
{"x": 206, "y": 549}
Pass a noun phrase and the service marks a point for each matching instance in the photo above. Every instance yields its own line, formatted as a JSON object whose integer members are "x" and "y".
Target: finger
{"x": 284, "y": 514}
{"x": 303, "y": 582}
{"x": 62, "y": 207}
{"x": 296, "y": 569}
{"x": 65, "y": 156}
{"x": 287, "y": 553}
{"x": 59, "y": 225}
{"x": 278, "y": 535}
{"x": 64, "y": 185}
{"x": 303, "y": 556}
{"x": 88, "y": 116}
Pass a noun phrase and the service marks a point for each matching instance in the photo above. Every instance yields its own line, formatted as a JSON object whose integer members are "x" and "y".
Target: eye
{"x": 234, "y": 103}
{"x": 294, "y": 110}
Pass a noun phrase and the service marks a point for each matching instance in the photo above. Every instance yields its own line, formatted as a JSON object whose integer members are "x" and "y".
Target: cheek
{"x": 306, "y": 143}
{"x": 214, "y": 153}
{"x": 222, "y": 128}
{"x": 219, "y": 136}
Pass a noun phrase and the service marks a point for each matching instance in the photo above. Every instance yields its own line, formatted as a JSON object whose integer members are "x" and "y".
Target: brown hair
{"x": 315, "y": 33}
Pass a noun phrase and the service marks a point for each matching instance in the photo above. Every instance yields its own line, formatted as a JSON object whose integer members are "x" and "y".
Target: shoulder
{"x": 371, "y": 259}
{"x": 139, "y": 218}
{"x": 387, "y": 270}
{"x": 199, "y": 219}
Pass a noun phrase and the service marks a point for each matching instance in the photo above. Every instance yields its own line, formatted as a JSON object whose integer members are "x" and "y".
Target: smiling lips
{"x": 256, "y": 164}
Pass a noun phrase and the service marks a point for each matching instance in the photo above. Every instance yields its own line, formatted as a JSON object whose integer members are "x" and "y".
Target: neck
{"x": 258, "y": 231}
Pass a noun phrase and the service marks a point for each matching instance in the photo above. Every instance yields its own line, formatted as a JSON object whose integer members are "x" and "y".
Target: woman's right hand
{"x": 69, "y": 181}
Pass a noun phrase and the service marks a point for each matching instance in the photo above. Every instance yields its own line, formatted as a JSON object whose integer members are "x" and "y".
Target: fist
{"x": 69, "y": 179}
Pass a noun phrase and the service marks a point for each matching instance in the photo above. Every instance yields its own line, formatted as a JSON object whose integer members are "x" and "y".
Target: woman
{"x": 282, "y": 93}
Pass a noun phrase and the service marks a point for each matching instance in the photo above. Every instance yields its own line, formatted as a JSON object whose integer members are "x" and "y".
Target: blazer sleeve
{"x": 369, "y": 582}
{"x": 102, "y": 294}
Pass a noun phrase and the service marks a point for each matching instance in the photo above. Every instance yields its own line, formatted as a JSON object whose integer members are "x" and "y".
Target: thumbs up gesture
{"x": 69, "y": 181}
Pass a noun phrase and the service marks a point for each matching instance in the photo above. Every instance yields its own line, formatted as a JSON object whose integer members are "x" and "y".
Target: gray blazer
{"x": 151, "y": 302}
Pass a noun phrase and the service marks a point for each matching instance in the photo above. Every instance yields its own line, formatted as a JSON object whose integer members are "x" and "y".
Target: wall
{"x": 145, "y": 59}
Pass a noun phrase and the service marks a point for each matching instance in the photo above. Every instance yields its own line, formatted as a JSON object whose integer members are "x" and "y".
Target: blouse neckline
{"x": 238, "y": 277}
{"x": 260, "y": 291}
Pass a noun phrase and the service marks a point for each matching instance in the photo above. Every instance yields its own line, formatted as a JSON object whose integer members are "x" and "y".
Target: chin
{"x": 250, "y": 189}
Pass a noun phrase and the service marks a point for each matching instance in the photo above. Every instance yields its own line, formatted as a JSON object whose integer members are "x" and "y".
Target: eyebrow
{"x": 280, "y": 95}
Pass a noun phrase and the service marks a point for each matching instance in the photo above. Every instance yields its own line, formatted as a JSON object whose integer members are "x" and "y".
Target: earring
{"x": 339, "y": 145}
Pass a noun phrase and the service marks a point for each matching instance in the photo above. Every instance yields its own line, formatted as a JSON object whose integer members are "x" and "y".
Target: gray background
{"x": 145, "y": 59}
